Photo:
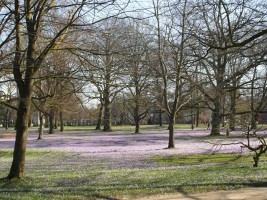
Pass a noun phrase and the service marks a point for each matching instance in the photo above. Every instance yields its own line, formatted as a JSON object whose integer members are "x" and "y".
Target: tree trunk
{"x": 137, "y": 125}
{"x": 160, "y": 117}
{"x": 55, "y": 123}
{"x": 107, "y": 111}
{"x": 25, "y": 65}
{"x": 216, "y": 118}
{"x": 107, "y": 118}
{"x": 23, "y": 112}
{"x": 51, "y": 122}
{"x": 256, "y": 159}
{"x": 41, "y": 125}
{"x": 25, "y": 87}
{"x": 254, "y": 114}
{"x": 46, "y": 124}
{"x": 192, "y": 119}
{"x": 30, "y": 122}
{"x": 171, "y": 133}
{"x": 6, "y": 119}
{"x": 136, "y": 112}
{"x": 233, "y": 97}
{"x": 106, "y": 91}
{"x": 232, "y": 120}
{"x": 223, "y": 121}
{"x": 254, "y": 119}
{"x": 99, "y": 120}
{"x": 197, "y": 116}
{"x": 61, "y": 121}
{"x": 56, "y": 119}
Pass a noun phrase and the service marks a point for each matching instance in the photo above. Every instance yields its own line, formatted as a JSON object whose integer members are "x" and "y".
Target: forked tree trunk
{"x": 25, "y": 87}
{"x": 23, "y": 72}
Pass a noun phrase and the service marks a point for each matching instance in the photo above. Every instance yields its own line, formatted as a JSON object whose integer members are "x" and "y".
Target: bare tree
{"x": 55, "y": 86}
{"x": 217, "y": 25}
{"x": 138, "y": 78}
{"x": 28, "y": 58}
{"x": 8, "y": 98}
{"x": 103, "y": 65}
{"x": 171, "y": 58}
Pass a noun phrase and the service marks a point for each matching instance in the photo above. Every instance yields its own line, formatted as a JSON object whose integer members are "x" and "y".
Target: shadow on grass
{"x": 219, "y": 158}
{"x": 112, "y": 191}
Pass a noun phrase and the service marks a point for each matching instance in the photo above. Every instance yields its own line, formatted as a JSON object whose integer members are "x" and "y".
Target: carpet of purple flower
{"x": 132, "y": 147}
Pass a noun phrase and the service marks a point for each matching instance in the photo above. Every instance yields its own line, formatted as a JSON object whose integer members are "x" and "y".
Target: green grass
{"x": 114, "y": 128}
{"x": 30, "y": 153}
{"x": 59, "y": 175}
{"x": 202, "y": 159}
{"x": 129, "y": 128}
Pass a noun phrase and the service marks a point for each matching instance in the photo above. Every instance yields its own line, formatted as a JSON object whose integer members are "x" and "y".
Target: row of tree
{"x": 173, "y": 55}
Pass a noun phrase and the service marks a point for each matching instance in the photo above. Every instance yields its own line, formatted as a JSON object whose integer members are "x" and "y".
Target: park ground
{"x": 123, "y": 165}
{"x": 241, "y": 194}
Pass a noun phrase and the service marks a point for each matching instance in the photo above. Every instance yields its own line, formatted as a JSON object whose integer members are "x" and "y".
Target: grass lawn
{"x": 61, "y": 175}
{"x": 129, "y": 128}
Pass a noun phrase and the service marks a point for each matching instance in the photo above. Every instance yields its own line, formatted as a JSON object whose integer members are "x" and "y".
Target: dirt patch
{"x": 242, "y": 194}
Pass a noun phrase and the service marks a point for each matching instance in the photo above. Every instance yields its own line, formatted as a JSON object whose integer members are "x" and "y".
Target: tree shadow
{"x": 77, "y": 188}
